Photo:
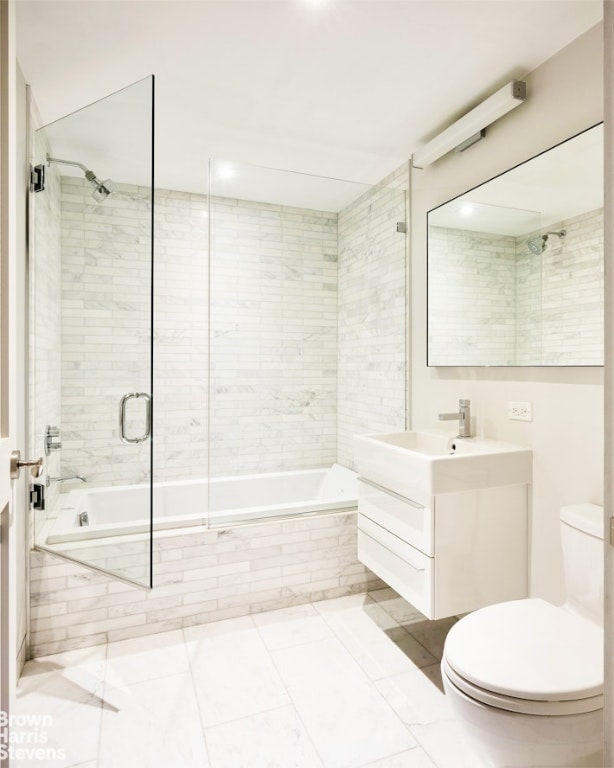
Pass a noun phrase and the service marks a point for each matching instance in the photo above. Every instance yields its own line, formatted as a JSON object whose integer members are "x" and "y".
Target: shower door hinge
{"x": 402, "y": 227}
{"x": 37, "y": 178}
{"x": 37, "y": 496}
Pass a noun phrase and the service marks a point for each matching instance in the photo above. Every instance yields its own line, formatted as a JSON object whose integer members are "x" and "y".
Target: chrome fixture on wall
{"x": 470, "y": 128}
{"x": 539, "y": 244}
{"x": 463, "y": 416}
{"x": 51, "y": 444}
{"x": 102, "y": 189}
{"x": 64, "y": 479}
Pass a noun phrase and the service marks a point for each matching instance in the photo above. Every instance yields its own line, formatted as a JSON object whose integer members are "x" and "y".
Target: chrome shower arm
{"x": 84, "y": 168}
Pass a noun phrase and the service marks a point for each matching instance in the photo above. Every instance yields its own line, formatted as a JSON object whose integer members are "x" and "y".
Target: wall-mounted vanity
{"x": 515, "y": 265}
{"x": 444, "y": 520}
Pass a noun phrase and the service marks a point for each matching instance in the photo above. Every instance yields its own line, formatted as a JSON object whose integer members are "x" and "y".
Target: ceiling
{"x": 339, "y": 88}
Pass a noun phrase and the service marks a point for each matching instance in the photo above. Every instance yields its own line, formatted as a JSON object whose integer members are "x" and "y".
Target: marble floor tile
{"x": 443, "y": 743}
{"x": 152, "y": 724}
{"x": 432, "y": 634}
{"x": 351, "y": 682}
{"x": 233, "y": 672}
{"x": 400, "y": 610}
{"x": 273, "y": 739}
{"x": 362, "y": 604}
{"x": 380, "y": 652}
{"x": 348, "y": 721}
{"x": 64, "y": 708}
{"x": 291, "y": 626}
{"x": 91, "y": 663}
{"x": 145, "y": 658}
{"x": 417, "y": 697}
{"x": 412, "y": 758}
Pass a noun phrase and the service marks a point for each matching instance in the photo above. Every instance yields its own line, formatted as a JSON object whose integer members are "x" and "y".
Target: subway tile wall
{"x": 572, "y": 294}
{"x": 273, "y": 338}
{"x": 373, "y": 315}
{"x": 284, "y": 343}
{"x": 513, "y": 306}
{"x": 473, "y": 276}
{"x": 105, "y": 317}
{"x": 198, "y": 577}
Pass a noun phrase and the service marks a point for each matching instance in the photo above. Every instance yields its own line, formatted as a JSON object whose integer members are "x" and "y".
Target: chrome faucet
{"x": 50, "y": 480}
{"x": 463, "y": 416}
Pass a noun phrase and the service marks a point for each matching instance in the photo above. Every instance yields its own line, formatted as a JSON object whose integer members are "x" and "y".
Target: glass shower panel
{"x": 300, "y": 277}
{"x": 91, "y": 266}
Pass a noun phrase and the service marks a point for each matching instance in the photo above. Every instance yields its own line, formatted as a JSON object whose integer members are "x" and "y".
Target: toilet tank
{"x": 582, "y": 542}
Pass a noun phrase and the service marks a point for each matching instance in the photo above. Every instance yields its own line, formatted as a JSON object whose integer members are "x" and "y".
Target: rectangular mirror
{"x": 515, "y": 265}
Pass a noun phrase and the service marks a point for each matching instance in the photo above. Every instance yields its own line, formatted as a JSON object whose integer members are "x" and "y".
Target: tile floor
{"x": 345, "y": 683}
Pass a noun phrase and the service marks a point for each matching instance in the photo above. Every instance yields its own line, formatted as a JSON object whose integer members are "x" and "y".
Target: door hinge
{"x": 37, "y": 178}
{"x": 37, "y": 496}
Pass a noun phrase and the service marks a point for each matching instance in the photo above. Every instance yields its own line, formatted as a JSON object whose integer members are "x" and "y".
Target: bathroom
{"x": 215, "y": 433}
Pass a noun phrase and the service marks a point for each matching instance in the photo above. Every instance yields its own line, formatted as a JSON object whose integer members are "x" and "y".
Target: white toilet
{"x": 525, "y": 678}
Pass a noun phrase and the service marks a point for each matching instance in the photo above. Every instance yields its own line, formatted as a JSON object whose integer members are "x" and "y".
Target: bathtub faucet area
{"x": 64, "y": 479}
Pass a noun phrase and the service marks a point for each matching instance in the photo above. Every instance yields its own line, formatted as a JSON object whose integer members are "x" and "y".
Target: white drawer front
{"x": 407, "y": 520}
{"x": 406, "y": 570}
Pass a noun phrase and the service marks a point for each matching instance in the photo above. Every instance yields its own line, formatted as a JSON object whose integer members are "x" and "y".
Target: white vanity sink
{"x": 420, "y": 464}
{"x": 443, "y": 520}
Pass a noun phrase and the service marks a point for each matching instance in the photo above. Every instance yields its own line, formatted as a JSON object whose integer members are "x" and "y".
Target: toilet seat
{"x": 527, "y": 656}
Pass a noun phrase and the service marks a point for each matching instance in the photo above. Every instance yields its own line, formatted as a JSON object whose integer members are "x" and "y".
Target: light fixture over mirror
{"x": 470, "y": 128}
{"x": 515, "y": 265}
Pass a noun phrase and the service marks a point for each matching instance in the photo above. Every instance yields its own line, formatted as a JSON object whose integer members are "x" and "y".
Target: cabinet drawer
{"x": 405, "y": 519}
{"x": 411, "y": 579}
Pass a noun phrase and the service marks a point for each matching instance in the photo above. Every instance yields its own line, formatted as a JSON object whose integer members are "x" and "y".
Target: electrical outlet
{"x": 520, "y": 411}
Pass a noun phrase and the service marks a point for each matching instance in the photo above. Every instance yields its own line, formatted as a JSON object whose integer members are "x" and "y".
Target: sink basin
{"x": 419, "y": 464}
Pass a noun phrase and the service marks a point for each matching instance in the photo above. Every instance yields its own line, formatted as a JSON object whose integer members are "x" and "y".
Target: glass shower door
{"x": 91, "y": 265}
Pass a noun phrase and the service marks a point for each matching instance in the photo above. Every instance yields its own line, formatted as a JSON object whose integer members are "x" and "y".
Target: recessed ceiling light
{"x": 225, "y": 172}
{"x": 466, "y": 209}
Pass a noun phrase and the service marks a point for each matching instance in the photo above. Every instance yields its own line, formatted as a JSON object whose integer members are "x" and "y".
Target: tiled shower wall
{"x": 282, "y": 318}
{"x": 571, "y": 275}
{"x": 279, "y": 328}
{"x": 274, "y": 338}
{"x": 373, "y": 315}
{"x": 513, "y": 306}
{"x": 473, "y": 276}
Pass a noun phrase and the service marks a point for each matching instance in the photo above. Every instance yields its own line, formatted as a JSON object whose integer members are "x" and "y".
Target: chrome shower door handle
{"x": 122, "y": 418}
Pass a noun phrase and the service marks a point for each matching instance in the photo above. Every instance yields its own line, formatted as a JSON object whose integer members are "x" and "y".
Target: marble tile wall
{"x": 198, "y": 578}
{"x": 273, "y": 338}
{"x": 571, "y": 276}
{"x": 473, "y": 275}
{"x": 106, "y": 280}
{"x": 274, "y": 309}
{"x": 274, "y": 334}
{"x": 373, "y": 315}
{"x": 513, "y": 306}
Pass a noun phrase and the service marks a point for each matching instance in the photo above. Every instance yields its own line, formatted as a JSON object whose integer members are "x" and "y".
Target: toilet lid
{"x": 528, "y": 649}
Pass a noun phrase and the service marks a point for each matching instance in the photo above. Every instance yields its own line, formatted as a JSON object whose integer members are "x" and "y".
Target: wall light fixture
{"x": 472, "y": 127}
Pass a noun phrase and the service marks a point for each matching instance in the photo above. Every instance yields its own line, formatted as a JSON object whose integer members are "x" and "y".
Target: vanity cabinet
{"x": 448, "y": 553}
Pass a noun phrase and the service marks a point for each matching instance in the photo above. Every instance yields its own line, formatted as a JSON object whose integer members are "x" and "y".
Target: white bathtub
{"x": 124, "y": 509}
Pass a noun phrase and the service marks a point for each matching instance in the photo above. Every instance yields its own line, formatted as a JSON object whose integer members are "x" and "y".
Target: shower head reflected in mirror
{"x": 102, "y": 189}
{"x": 539, "y": 244}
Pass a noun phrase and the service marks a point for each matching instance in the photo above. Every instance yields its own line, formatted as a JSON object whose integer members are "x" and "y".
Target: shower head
{"x": 539, "y": 244}
{"x": 102, "y": 189}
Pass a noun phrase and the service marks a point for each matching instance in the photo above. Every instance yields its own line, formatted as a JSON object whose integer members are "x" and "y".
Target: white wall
{"x": 565, "y": 96}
